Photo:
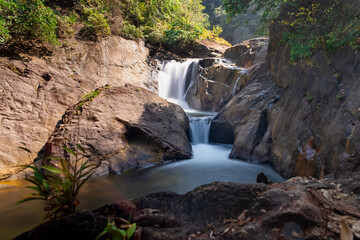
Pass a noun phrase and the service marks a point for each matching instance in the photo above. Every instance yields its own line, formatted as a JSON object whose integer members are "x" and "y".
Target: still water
{"x": 209, "y": 163}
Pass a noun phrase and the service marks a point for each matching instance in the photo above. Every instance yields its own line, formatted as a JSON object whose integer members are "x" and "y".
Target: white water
{"x": 200, "y": 129}
{"x": 173, "y": 77}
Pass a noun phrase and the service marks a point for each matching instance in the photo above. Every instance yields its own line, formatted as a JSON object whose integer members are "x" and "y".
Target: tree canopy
{"x": 307, "y": 25}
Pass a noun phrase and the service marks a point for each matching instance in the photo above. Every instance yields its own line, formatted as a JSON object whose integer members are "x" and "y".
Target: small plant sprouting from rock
{"x": 60, "y": 186}
{"x": 88, "y": 98}
{"x": 309, "y": 97}
{"x": 115, "y": 233}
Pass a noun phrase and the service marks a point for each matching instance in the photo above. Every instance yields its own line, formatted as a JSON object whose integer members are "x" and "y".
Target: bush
{"x": 130, "y": 31}
{"x": 214, "y": 35}
{"x": 97, "y": 22}
{"x": 28, "y": 20}
{"x": 4, "y": 31}
{"x": 65, "y": 28}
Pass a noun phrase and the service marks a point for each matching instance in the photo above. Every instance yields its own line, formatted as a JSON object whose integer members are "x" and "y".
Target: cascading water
{"x": 174, "y": 79}
{"x": 200, "y": 129}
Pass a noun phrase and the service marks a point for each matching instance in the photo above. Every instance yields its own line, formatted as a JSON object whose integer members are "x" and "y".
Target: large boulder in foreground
{"x": 122, "y": 127}
{"x": 299, "y": 208}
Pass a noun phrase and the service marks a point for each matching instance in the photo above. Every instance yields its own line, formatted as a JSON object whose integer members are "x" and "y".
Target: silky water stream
{"x": 209, "y": 163}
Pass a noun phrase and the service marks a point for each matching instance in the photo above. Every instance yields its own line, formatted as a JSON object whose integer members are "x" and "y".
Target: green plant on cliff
{"x": 96, "y": 22}
{"x": 307, "y": 25}
{"x": 59, "y": 186}
{"x": 27, "y": 20}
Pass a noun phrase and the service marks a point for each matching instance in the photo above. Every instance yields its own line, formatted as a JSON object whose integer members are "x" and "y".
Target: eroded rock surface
{"x": 122, "y": 127}
{"x": 300, "y": 208}
{"x": 34, "y": 93}
{"x": 215, "y": 85}
{"x": 248, "y": 53}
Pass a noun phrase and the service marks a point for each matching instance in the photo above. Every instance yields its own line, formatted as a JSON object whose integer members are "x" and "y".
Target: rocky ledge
{"x": 300, "y": 208}
{"x": 120, "y": 128}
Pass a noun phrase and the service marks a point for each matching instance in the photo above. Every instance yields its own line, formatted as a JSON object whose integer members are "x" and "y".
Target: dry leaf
{"x": 345, "y": 232}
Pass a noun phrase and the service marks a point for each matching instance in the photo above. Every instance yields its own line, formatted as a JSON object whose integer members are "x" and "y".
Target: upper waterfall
{"x": 174, "y": 79}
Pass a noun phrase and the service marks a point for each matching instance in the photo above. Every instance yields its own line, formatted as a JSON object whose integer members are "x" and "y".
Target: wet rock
{"x": 248, "y": 53}
{"x": 122, "y": 127}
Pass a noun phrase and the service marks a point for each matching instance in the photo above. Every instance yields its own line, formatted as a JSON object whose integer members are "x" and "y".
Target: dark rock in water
{"x": 122, "y": 127}
{"x": 299, "y": 208}
{"x": 262, "y": 178}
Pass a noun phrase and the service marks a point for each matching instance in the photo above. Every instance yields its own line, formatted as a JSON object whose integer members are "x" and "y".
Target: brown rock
{"x": 34, "y": 93}
{"x": 123, "y": 127}
{"x": 214, "y": 87}
{"x": 248, "y": 53}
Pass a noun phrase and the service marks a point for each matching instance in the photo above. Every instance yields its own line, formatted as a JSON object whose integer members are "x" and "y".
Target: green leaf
{"x": 130, "y": 231}
{"x": 69, "y": 151}
{"x": 80, "y": 148}
{"x": 52, "y": 169}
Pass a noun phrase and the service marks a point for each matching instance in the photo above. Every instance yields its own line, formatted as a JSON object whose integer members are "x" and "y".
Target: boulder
{"x": 214, "y": 86}
{"x": 121, "y": 128}
{"x": 34, "y": 92}
{"x": 248, "y": 53}
{"x": 246, "y": 116}
{"x": 300, "y": 208}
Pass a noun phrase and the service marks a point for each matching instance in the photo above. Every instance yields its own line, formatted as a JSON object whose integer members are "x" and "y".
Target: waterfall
{"x": 200, "y": 129}
{"x": 175, "y": 78}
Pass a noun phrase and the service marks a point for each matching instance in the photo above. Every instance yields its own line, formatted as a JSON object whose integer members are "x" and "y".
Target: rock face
{"x": 247, "y": 115}
{"x": 299, "y": 208}
{"x": 122, "y": 127}
{"x": 302, "y": 117}
{"x": 34, "y": 93}
{"x": 248, "y": 53}
{"x": 214, "y": 86}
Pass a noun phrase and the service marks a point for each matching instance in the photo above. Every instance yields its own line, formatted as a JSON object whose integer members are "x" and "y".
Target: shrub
{"x": 65, "y": 28}
{"x": 4, "y": 31}
{"x": 214, "y": 35}
{"x": 60, "y": 186}
{"x": 97, "y": 22}
{"x": 130, "y": 31}
{"x": 28, "y": 20}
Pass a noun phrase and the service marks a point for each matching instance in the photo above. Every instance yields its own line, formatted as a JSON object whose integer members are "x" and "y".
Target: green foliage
{"x": 60, "y": 186}
{"x": 27, "y": 20}
{"x": 65, "y": 28}
{"x": 307, "y": 25}
{"x": 96, "y": 22}
{"x": 88, "y": 98}
{"x": 115, "y": 233}
{"x": 164, "y": 21}
{"x": 214, "y": 35}
{"x": 132, "y": 32}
